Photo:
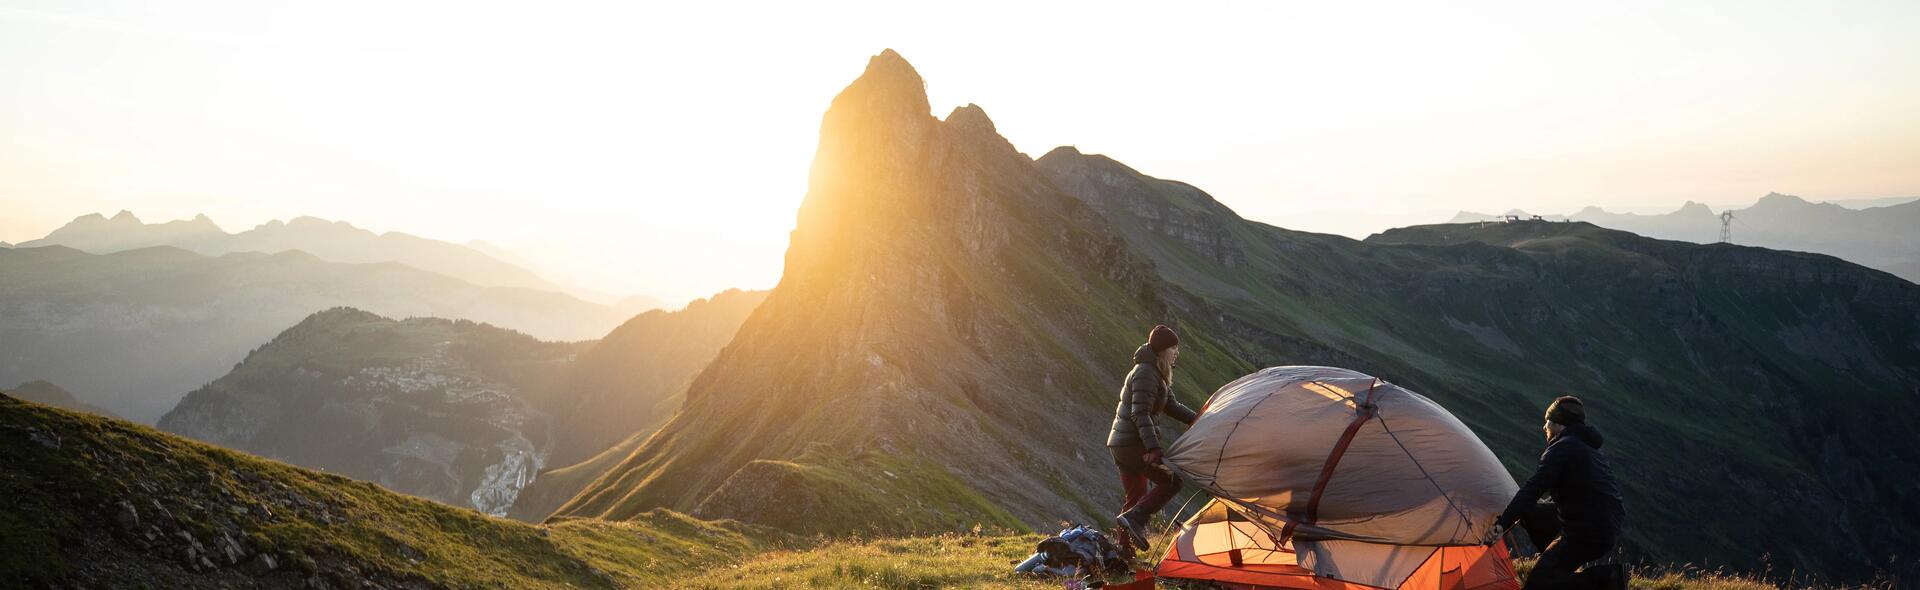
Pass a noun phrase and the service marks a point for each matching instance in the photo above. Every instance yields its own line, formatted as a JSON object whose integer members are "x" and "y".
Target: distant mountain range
{"x": 1880, "y": 235}
{"x": 943, "y": 348}
{"x": 333, "y": 241}
{"x": 137, "y": 329}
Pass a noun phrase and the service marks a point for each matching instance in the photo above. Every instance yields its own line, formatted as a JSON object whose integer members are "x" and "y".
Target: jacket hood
{"x": 1144, "y": 355}
{"x": 1586, "y": 433}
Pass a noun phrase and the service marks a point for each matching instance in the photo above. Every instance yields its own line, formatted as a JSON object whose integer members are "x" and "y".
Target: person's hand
{"x": 1152, "y": 456}
{"x": 1493, "y": 535}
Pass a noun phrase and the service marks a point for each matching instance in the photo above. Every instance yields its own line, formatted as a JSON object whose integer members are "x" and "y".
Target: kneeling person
{"x": 1584, "y": 495}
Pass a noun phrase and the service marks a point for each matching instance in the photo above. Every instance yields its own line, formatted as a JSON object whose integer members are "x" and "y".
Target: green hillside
{"x": 100, "y": 503}
{"x": 950, "y": 303}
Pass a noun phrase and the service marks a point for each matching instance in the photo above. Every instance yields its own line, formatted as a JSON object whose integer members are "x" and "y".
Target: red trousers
{"x": 1148, "y": 488}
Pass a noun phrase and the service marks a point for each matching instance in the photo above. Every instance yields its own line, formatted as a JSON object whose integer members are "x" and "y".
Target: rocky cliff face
{"x": 927, "y": 316}
{"x": 429, "y": 407}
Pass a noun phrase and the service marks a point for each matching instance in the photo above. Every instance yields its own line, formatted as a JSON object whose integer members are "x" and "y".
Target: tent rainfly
{"x": 1330, "y": 479}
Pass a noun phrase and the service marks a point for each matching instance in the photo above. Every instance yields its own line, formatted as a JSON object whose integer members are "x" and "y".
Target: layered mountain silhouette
{"x": 333, "y": 241}
{"x": 1880, "y": 236}
{"x": 137, "y": 329}
{"x": 955, "y": 317}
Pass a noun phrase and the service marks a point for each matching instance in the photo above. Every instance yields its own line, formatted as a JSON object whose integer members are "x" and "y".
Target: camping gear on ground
{"x": 1076, "y": 551}
{"x": 1328, "y": 478}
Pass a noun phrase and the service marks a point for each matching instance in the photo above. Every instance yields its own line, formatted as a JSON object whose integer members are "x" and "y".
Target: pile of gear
{"x": 1076, "y": 552}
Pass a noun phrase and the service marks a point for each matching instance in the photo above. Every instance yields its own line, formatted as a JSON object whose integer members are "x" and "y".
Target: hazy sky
{"x": 664, "y": 149}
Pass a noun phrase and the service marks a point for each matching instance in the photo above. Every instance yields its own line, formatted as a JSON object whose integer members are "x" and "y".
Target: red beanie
{"x": 1162, "y": 338}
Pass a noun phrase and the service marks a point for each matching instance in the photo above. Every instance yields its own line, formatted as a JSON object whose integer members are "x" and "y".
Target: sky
{"x": 662, "y": 148}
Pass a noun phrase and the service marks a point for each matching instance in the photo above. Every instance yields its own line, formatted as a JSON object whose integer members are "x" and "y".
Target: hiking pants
{"x": 1565, "y": 554}
{"x": 1148, "y": 487}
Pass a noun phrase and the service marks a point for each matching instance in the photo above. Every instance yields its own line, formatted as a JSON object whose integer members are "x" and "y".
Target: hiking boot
{"x": 1136, "y": 533}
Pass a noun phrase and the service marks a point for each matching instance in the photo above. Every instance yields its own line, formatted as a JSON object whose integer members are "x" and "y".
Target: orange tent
{"x": 1220, "y": 546}
{"x": 1327, "y": 478}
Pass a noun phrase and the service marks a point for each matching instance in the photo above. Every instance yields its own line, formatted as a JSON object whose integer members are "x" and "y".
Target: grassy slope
{"x": 60, "y": 528}
{"x": 1490, "y": 321}
{"x": 986, "y": 562}
{"x": 68, "y": 472}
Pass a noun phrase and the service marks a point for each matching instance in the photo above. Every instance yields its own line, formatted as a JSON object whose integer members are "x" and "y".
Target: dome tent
{"x": 1329, "y": 478}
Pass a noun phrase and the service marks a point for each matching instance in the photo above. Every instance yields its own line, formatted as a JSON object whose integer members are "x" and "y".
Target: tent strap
{"x": 1366, "y": 409}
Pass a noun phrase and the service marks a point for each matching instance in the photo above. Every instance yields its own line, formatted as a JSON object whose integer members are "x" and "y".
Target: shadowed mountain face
{"x": 138, "y": 329}
{"x": 955, "y": 318}
{"x": 333, "y": 241}
{"x": 633, "y": 379}
{"x": 1881, "y": 237}
{"x": 623, "y": 387}
{"x": 435, "y": 408}
{"x": 464, "y": 413}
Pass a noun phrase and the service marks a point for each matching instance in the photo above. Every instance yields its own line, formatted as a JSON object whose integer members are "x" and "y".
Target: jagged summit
{"x": 125, "y": 216}
{"x": 889, "y": 88}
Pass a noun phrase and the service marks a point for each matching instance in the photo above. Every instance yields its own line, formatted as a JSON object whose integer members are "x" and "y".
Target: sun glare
{"x": 664, "y": 149}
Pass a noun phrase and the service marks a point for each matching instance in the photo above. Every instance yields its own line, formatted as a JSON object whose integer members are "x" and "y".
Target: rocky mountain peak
{"x": 970, "y": 117}
{"x": 125, "y": 216}
{"x": 887, "y": 96}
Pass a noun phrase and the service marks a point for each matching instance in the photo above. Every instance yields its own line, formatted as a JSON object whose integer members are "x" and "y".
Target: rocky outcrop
{"x": 435, "y": 408}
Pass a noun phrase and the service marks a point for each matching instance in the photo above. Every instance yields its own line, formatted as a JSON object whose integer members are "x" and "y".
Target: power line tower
{"x": 1726, "y": 226}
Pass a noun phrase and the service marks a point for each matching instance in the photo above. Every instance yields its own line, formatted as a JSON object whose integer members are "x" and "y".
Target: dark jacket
{"x": 1144, "y": 396}
{"x": 1575, "y": 471}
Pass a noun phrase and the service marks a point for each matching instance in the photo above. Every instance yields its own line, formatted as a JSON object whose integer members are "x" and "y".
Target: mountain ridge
{"x": 335, "y": 241}
{"x": 1875, "y": 236}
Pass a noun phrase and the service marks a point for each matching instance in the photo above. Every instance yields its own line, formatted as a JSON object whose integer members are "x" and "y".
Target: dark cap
{"x": 1568, "y": 411}
{"x": 1161, "y": 338}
